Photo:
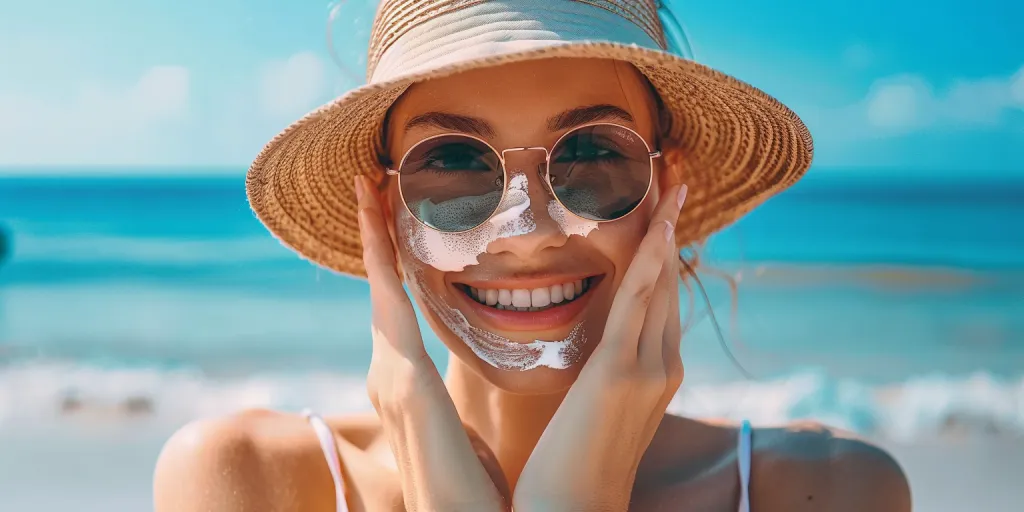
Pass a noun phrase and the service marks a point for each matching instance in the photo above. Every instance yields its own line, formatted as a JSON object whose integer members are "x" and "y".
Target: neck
{"x": 510, "y": 424}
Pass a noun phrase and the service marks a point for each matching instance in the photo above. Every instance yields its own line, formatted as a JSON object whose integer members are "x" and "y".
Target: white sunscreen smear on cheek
{"x": 453, "y": 252}
{"x": 569, "y": 223}
{"x": 498, "y": 351}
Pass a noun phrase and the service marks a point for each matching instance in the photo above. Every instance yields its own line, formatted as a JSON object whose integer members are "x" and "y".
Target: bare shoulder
{"x": 808, "y": 466}
{"x": 797, "y": 467}
{"x": 253, "y": 460}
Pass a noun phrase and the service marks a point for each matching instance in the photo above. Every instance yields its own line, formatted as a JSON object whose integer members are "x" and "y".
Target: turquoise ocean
{"x": 891, "y": 306}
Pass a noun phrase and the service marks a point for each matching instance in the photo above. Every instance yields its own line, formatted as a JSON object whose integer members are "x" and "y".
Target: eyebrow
{"x": 584, "y": 115}
{"x": 452, "y": 122}
{"x": 479, "y": 127}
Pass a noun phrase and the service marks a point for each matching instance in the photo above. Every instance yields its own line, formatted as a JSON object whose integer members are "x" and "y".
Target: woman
{"x": 528, "y": 187}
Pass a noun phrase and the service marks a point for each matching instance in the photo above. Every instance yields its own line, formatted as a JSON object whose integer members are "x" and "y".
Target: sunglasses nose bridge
{"x": 540, "y": 150}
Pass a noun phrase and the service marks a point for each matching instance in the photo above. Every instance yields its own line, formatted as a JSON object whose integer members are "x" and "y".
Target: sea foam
{"x": 925, "y": 406}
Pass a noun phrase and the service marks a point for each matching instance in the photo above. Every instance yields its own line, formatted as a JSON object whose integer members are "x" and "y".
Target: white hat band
{"x": 495, "y": 28}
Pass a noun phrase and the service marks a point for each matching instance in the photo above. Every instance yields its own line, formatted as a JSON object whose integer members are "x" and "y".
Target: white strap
{"x": 743, "y": 455}
{"x": 327, "y": 444}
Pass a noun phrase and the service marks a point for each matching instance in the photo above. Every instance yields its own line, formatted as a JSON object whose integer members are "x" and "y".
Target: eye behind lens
{"x": 451, "y": 183}
{"x": 601, "y": 172}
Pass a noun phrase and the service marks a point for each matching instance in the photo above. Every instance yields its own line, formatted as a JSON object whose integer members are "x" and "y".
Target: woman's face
{"x": 532, "y": 251}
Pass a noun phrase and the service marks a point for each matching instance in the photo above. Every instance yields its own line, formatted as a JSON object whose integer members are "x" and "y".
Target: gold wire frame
{"x": 652, "y": 154}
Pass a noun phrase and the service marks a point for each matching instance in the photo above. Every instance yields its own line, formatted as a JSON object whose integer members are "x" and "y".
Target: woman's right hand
{"x": 439, "y": 469}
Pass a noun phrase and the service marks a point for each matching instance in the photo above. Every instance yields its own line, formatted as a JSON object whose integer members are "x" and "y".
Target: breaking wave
{"x": 925, "y": 406}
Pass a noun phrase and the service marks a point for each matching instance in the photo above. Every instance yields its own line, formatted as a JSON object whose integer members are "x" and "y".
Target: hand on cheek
{"x": 621, "y": 393}
{"x": 438, "y": 466}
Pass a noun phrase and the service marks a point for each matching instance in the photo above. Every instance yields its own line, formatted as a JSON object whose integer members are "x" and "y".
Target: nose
{"x": 532, "y": 163}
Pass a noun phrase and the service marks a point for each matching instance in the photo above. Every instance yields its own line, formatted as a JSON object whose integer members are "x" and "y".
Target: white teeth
{"x": 540, "y": 297}
{"x": 521, "y": 298}
{"x": 535, "y": 299}
{"x": 556, "y": 293}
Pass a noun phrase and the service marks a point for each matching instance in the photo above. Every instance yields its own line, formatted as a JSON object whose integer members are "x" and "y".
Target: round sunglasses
{"x": 455, "y": 182}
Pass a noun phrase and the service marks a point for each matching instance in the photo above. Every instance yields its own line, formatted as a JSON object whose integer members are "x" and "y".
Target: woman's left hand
{"x": 588, "y": 455}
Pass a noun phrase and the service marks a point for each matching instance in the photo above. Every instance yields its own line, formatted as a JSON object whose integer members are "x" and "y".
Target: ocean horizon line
{"x": 220, "y": 171}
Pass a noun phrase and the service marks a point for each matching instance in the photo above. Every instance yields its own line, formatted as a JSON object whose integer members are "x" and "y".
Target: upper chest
{"x": 672, "y": 477}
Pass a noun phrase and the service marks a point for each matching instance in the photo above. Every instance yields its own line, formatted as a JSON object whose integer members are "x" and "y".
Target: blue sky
{"x": 932, "y": 86}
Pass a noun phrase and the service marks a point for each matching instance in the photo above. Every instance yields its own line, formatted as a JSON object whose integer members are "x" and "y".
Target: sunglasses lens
{"x": 601, "y": 172}
{"x": 452, "y": 183}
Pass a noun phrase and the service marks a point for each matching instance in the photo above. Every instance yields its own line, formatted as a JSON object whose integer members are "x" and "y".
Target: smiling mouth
{"x": 530, "y": 300}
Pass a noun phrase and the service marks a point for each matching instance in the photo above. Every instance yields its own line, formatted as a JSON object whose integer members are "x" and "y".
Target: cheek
{"x": 453, "y": 252}
{"x": 618, "y": 241}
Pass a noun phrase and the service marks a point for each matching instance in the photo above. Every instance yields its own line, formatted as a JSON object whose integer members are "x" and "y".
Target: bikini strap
{"x": 330, "y": 449}
{"x": 743, "y": 456}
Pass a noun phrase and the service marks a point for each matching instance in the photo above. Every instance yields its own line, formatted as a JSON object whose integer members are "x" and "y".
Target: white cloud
{"x": 153, "y": 120}
{"x": 1017, "y": 88}
{"x": 292, "y": 87}
{"x": 162, "y": 92}
{"x": 908, "y": 102}
{"x": 907, "y": 120}
{"x": 96, "y": 123}
{"x": 897, "y": 103}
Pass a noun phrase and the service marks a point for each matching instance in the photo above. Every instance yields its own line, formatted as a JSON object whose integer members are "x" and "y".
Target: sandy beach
{"x": 982, "y": 475}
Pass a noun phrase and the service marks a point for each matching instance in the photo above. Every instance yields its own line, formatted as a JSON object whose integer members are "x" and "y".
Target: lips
{"x": 537, "y": 308}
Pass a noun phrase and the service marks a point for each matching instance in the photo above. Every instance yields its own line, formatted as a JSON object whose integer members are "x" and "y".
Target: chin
{"x": 525, "y": 331}
{"x": 539, "y": 381}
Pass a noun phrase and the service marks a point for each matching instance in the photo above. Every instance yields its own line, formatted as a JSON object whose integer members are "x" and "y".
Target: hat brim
{"x": 740, "y": 146}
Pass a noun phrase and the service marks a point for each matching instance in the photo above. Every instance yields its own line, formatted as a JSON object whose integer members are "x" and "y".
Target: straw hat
{"x": 740, "y": 145}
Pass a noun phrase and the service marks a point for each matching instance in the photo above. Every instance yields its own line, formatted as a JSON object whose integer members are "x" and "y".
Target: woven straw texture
{"x": 740, "y": 145}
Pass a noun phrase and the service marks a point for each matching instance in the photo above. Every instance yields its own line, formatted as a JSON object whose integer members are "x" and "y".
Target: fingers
{"x": 673, "y": 327}
{"x": 671, "y": 358}
{"x": 378, "y": 251}
{"x": 394, "y": 325}
{"x": 437, "y": 464}
{"x": 652, "y": 335}
{"x": 629, "y": 307}
{"x": 659, "y": 349}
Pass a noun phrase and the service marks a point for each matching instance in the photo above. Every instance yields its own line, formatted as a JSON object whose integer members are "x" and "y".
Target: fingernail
{"x": 681, "y": 196}
{"x": 670, "y": 231}
{"x": 359, "y": 188}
